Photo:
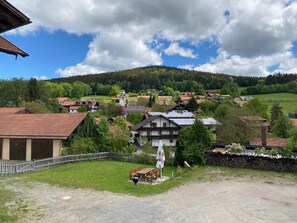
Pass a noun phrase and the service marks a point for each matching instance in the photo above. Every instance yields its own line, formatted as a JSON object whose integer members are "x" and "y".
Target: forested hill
{"x": 157, "y": 76}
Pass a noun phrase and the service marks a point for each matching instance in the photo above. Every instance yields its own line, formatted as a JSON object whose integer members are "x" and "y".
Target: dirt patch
{"x": 238, "y": 200}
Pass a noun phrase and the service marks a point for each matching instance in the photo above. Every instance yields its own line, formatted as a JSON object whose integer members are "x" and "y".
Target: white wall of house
{"x": 167, "y": 142}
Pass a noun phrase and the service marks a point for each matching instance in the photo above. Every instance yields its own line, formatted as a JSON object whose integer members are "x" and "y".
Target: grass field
{"x": 113, "y": 176}
{"x": 100, "y": 98}
{"x": 288, "y": 101}
{"x": 6, "y": 196}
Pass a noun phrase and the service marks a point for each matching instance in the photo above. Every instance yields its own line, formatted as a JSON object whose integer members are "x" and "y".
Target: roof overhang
{"x": 11, "y": 17}
{"x": 8, "y": 47}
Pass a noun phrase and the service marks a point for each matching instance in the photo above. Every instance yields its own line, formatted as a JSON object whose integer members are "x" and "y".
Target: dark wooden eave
{"x": 11, "y": 17}
{"x": 8, "y": 47}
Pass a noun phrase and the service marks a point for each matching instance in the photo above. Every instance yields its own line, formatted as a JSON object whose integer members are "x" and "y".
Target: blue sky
{"x": 220, "y": 36}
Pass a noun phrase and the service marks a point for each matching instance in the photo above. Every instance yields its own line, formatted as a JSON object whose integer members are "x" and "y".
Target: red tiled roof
{"x": 273, "y": 142}
{"x": 74, "y": 107}
{"x": 165, "y": 97}
{"x": 61, "y": 99}
{"x": 39, "y": 126}
{"x": 10, "y": 111}
{"x": 8, "y": 47}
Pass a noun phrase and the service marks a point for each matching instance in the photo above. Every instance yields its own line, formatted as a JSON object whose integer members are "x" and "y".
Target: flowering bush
{"x": 235, "y": 148}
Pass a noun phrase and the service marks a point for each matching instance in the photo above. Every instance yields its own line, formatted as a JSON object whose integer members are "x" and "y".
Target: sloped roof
{"x": 39, "y": 126}
{"x": 10, "y": 111}
{"x": 11, "y": 17}
{"x": 174, "y": 114}
{"x": 148, "y": 120}
{"x": 273, "y": 142}
{"x": 8, "y": 47}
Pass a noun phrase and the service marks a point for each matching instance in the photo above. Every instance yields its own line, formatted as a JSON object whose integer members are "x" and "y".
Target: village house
{"x": 157, "y": 128}
{"x": 35, "y": 136}
{"x": 241, "y": 100}
{"x": 74, "y": 106}
{"x": 178, "y": 118}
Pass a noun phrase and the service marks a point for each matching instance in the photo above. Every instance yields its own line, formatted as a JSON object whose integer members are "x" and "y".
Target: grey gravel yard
{"x": 238, "y": 200}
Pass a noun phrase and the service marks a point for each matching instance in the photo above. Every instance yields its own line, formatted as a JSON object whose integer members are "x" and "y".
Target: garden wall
{"x": 251, "y": 162}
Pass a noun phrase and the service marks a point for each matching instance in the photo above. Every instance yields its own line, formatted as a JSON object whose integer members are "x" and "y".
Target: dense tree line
{"x": 156, "y": 77}
{"x": 262, "y": 88}
{"x": 39, "y": 95}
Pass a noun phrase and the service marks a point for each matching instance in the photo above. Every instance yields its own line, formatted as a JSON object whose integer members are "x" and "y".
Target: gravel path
{"x": 218, "y": 201}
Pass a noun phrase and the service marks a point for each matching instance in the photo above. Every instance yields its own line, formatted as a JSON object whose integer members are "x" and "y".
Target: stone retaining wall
{"x": 251, "y": 162}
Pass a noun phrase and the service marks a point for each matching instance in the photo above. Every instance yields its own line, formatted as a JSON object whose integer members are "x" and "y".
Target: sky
{"x": 236, "y": 37}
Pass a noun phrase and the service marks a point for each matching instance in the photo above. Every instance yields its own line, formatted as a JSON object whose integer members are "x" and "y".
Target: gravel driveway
{"x": 218, "y": 201}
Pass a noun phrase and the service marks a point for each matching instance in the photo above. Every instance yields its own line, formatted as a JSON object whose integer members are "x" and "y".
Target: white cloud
{"x": 113, "y": 51}
{"x": 175, "y": 49}
{"x": 255, "y": 35}
{"x": 42, "y": 77}
{"x": 240, "y": 66}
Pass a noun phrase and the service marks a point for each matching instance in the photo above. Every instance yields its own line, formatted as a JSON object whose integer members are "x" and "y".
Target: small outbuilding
{"x": 35, "y": 136}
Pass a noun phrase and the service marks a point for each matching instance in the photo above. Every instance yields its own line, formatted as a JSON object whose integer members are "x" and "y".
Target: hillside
{"x": 157, "y": 76}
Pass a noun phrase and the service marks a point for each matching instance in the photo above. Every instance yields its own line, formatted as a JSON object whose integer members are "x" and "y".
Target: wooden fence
{"x": 8, "y": 168}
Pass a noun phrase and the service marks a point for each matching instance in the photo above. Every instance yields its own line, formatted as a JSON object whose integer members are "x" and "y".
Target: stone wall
{"x": 251, "y": 162}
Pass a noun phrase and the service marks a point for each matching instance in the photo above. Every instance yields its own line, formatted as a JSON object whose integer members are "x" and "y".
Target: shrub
{"x": 235, "y": 148}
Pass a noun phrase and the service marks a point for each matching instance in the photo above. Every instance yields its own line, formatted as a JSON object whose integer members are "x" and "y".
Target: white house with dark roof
{"x": 157, "y": 128}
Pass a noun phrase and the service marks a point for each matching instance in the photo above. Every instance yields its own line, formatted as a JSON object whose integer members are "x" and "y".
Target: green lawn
{"x": 101, "y": 175}
{"x": 287, "y": 100}
{"x": 6, "y": 196}
{"x": 113, "y": 176}
{"x": 100, "y": 98}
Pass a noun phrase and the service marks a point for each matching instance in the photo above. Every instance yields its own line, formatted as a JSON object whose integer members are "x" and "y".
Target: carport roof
{"x": 39, "y": 126}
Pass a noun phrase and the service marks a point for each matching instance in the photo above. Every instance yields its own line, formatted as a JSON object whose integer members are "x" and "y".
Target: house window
{"x": 153, "y": 124}
{"x": 148, "y": 133}
{"x": 164, "y": 124}
{"x": 171, "y": 140}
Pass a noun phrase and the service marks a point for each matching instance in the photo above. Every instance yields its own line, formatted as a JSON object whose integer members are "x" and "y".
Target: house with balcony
{"x": 155, "y": 128}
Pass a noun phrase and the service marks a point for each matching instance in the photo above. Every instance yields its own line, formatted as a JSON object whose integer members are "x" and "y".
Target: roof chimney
{"x": 264, "y": 133}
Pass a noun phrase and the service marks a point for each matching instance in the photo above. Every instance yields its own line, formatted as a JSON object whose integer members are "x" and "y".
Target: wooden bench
{"x": 133, "y": 173}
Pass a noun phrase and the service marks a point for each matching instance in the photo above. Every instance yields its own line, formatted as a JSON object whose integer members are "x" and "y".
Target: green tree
{"x": 234, "y": 129}
{"x": 192, "y": 142}
{"x": 230, "y": 89}
{"x": 221, "y": 111}
{"x": 115, "y": 90}
{"x": 135, "y": 117}
{"x": 276, "y": 113}
{"x": 141, "y": 101}
{"x": 150, "y": 101}
{"x": 82, "y": 109}
{"x": 33, "y": 90}
{"x": 282, "y": 127}
{"x": 192, "y": 105}
{"x": 256, "y": 107}
{"x": 208, "y": 107}
{"x": 81, "y": 145}
{"x": 37, "y": 107}
{"x": 292, "y": 141}
{"x": 103, "y": 140}
{"x": 67, "y": 89}
{"x": 88, "y": 128}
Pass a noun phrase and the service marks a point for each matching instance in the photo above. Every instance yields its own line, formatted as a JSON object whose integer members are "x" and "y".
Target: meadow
{"x": 288, "y": 101}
